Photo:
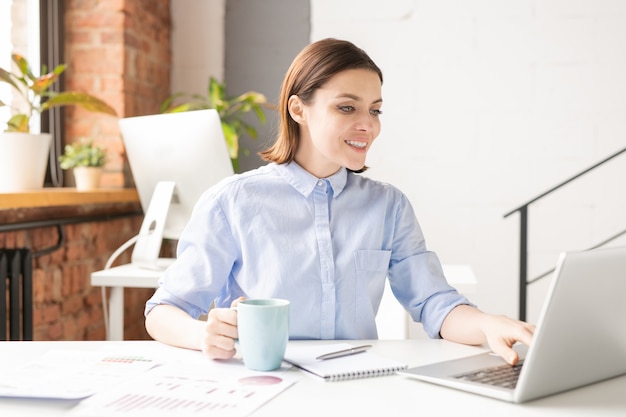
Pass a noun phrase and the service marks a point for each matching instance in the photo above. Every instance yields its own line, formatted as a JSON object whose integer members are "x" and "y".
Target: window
{"x": 19, "y": 33}
{"x": 5, "y": 55}
{"x": 51, "y": 52}
{"x": 33, "y": 28}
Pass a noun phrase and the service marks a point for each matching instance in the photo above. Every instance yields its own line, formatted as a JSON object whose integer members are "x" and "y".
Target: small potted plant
{"x": 24, "y": 155}
{"x": 230, "y": 109}
{"x": 87, "y": 161}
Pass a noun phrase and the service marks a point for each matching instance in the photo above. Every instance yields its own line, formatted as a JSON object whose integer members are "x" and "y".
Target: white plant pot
{"x": 87, "y": 178}
{"x": 23, "y": 160}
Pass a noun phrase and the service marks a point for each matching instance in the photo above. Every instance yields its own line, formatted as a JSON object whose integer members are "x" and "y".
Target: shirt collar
{"x": 305, "y": 182}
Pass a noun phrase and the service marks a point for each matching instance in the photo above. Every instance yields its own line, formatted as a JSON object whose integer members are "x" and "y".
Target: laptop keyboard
{"x": 504, "y": 376}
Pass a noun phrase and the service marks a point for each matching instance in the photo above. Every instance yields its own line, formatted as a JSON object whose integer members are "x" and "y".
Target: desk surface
{"x": 390, "y": 395}
{"x": 127, "y": 275}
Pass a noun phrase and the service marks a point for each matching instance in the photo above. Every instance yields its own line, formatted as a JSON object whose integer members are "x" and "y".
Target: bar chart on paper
{"x": 70, "y": 374}
{"x": 192, "y": 395}
{"x": 168, "y": 390}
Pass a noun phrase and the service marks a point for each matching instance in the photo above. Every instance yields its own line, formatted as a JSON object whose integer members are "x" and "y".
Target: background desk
{"x": 381, "y": 396}
{"x": 392, "y": 320}
{"x": 117, "y": 278}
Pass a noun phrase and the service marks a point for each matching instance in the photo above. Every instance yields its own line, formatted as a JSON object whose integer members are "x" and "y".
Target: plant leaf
{"x": 7, "y": 77}
{"x": 42, "y": 84}
{"x": 18, "y": 123}
{"x": 260, "y": 114}
{"x": 86, "y": 101}
{"x": 251, "y": 131}
{"x": 232, "y": 139}
{"x": 216, "y": 93}
{"x": 168, "y": 104}
{"x": 252, "y": 97}
{"x": 186, "y": 107}
{"x": 23, "y": 66}
{"x": 83, "y": 154}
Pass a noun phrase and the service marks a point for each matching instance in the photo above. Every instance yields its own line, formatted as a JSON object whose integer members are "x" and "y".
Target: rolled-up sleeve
{"x": 204, "y": 260}
{"x": 416, "y": 276}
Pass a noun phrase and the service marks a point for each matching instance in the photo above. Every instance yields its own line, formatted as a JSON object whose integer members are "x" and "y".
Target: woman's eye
{"x": 376, "y": 112}
{"x": 346, "y": 109}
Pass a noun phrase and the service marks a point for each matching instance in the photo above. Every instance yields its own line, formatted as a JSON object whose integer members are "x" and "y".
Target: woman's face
{"x": 340, "y": 123}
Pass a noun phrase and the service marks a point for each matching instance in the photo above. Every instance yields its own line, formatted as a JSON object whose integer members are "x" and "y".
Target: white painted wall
{"x": 487, "y": 104}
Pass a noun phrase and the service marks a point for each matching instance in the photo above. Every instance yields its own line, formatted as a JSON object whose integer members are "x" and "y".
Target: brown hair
{"x": 311, "y": 68}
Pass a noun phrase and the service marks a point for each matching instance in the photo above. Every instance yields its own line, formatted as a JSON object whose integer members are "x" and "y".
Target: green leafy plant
{"x": 83, "y": 154}
{"x": 35, "y": 90}
{"x": 230, "y": 110}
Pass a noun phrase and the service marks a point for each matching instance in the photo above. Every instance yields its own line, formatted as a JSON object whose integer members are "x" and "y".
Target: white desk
{"x": 393, "y": 321}
{"x": 380, "y": 396}
{"x": 118, "y": 278}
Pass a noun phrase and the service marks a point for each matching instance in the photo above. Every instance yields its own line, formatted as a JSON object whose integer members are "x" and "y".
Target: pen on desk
{"x": 344, "y": 352}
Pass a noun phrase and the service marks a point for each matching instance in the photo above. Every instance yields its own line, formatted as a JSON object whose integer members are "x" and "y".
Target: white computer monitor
{"x": 174, "y": 158}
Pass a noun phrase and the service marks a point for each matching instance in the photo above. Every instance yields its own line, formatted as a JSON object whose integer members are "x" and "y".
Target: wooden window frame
{"x": 52, "y": 50}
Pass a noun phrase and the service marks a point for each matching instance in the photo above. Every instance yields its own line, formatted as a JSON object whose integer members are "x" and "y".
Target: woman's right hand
{"x": 220, "y": 332}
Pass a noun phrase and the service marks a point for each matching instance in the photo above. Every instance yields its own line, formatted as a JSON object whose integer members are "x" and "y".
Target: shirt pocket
{"x": 372, "y": 260}
{"x": 371, "y": 273}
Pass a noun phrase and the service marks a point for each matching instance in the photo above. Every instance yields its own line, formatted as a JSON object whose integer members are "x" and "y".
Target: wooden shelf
{"x": 50, "y": 204}
{"x": 48, "y": 197}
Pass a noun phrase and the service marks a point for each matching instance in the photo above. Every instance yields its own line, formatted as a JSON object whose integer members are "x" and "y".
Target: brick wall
{"x": 65, "y": 305}
{"x": 120, "y": 52}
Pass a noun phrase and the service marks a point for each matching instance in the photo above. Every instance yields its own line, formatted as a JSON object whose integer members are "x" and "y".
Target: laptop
{"x": 579, "y": 339}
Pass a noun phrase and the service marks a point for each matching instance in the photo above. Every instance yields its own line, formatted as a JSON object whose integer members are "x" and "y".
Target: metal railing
{"x": 523, "y": 248}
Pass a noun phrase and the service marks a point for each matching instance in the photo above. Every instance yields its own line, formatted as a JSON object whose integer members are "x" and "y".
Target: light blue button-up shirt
{"x": 326, "y": 245}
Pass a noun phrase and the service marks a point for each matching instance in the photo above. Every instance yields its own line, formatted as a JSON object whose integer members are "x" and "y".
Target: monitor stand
{"x": 148, "y": 245}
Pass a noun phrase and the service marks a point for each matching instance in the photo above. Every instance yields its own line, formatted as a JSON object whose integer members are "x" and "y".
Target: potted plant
{"x": 87, "y": 161}
{"x": 24, "y": 155}
{"x": 230, "y": 109}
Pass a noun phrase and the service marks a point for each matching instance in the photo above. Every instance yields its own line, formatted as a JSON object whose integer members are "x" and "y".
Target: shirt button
{"x": 320, "y": 183}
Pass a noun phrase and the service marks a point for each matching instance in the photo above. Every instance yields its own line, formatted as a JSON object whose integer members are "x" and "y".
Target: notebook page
{"x": 360, "y": 365}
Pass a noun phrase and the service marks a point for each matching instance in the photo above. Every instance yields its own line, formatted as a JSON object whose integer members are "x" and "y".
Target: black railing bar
{"x": 523, "y": 263}
{"x": 612, "y": 238}
{"x": 59, "y": 223}
{"x": 609, "y": 240}
{"x": 56, "y": 246}
{"x": 537, "y": 278}
{"x": 556, "y": 187}
{"x": 68, "y": 220}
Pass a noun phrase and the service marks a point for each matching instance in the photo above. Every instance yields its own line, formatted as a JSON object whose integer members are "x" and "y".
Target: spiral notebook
{"x": 361, "y": 365}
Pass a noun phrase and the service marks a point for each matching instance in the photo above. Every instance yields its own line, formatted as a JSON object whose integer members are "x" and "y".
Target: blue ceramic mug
{"x": 263, "y": 326}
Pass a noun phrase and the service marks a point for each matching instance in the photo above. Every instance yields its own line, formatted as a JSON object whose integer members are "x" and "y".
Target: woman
{"x": 306, "y": 227}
